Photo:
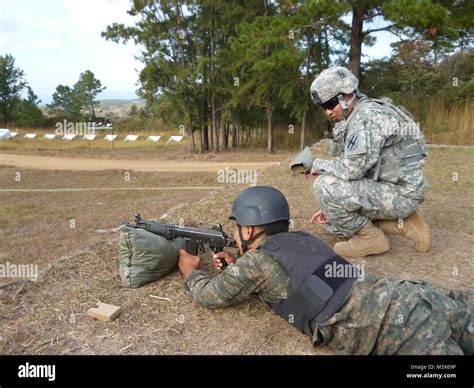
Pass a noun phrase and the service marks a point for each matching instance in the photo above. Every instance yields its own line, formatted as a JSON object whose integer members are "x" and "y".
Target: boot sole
{"x": 423, "y": 231}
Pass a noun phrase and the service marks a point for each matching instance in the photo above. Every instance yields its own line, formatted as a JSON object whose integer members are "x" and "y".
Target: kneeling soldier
{"x": 377, "y": 174}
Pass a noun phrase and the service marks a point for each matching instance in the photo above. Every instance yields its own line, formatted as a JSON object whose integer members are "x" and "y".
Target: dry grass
{"x": 38, "y": 144}
{"x": 36, "y": 226}
{"x": 48, "y": 317}
{"x": 140, "y": 149}
{"x": 48, "y": 322}
{"x": 450, "y": 126}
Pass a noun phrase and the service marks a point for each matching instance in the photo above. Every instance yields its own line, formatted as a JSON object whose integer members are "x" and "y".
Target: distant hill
{"x": 119, "y": 107}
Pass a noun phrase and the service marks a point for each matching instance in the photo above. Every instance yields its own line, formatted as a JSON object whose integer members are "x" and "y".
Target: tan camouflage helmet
{"x": 332, "y": 82}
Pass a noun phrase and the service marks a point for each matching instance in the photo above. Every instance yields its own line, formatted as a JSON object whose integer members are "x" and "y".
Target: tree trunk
{"x": 234, "y": 135}
{"x": 218, "y": 131}
{"x": 269, "y": 109}
{"x": 192, "y": 148}
{"x": 215, "y": 134}
{"x": 93, "y": 111}
{"x": 270, "y": 131}
{"x": 303, "y": 131}
{"x": 201, "y": 139}
{"x": 205, "y": 138}
{"x": 357, "y": 36}
{"x": 240, "y": 139}
{"x": 205, "y": 117}
{"x": 209, "y": 128}
{"x": 190, "y": 125}
{"x": 215, "y": 143}
{"x": 225, "y": 139}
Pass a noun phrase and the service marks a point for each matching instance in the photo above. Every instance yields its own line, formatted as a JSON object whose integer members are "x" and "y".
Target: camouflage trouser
{"x": 392, "y": 316}
{"x": 348, "y": 205}
{"x": 422, "y": 320}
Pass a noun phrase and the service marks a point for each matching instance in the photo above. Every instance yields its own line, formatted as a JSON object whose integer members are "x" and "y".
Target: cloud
{"x": 3, "y": 42}
{"x": 94, "y": 15}
{"x": 41, "y": 44}
{"x": 53, "y": 41}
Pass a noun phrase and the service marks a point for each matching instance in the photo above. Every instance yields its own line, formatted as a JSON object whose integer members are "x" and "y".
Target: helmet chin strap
{"x": 345, "y": 104}
{"x": 245, "y": 243}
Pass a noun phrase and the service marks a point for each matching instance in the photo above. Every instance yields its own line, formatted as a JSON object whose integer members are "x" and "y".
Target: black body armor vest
{"x": 319, "y": 279}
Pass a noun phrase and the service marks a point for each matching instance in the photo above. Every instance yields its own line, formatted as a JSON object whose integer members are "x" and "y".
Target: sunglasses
{"x": 330, "y": 104}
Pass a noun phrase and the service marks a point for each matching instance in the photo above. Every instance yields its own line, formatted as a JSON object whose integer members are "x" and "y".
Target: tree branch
{"x": 368, "y": 17}
{"x": 387, "y": 28}
{"x": 396, "y": 34}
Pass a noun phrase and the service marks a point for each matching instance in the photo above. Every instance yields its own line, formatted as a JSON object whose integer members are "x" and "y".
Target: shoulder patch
{"x": 356, "y": 143}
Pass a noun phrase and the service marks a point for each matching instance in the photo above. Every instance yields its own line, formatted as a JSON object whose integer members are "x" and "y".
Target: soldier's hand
{"x": 227, "y": 256}
{"x": 188, "y": 263}
{"x": 314, "y": 173}
{"x": 320, "y": 217}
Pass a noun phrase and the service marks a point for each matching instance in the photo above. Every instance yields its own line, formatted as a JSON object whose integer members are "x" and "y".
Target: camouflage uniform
{"x": 348, "y": 190}
{"x": 379, "y": 315}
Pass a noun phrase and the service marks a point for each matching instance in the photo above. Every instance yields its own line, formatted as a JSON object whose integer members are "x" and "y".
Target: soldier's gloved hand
{"x": 227, "y": 256}
{"x": 188, "y": 263}
{"x": 320, "y": 217}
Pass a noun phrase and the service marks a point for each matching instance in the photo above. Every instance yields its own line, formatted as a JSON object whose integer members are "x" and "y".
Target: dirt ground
{"x": 79, "y": 266}
{"x": 87, "y": 164}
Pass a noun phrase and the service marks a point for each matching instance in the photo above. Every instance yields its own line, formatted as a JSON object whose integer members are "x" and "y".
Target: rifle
{"x": 195, "y": 238}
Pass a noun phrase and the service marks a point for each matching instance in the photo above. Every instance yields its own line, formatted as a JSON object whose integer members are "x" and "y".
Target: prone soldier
{"x": 352, "y": 314}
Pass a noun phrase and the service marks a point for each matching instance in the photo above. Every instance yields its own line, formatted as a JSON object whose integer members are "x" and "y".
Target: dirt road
{"x": 76, "y": 164}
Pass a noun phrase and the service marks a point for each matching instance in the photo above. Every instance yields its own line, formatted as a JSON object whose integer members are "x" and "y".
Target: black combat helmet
{"x": 260, "y": 205}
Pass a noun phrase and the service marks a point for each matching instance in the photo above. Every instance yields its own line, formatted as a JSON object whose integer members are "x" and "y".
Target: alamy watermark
{"x": 392, "y": 126}
{"x": 37, "y": 371}
{"x": 347, "y": 270}
{"x": 80, "y": 128}
{"x": 411, "y": 129}
{"x": 25, "y": 271}
{"x": 232, "y": 175}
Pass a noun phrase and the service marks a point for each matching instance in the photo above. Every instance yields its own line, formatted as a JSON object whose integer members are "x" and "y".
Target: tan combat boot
{"x": 367, "y": 241}
{"x": 412, "y": 227}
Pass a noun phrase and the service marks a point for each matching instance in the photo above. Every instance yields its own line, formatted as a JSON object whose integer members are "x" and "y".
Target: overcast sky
{"x": 53, "y": 41}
